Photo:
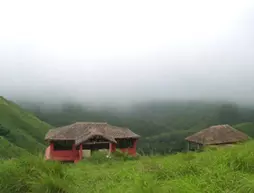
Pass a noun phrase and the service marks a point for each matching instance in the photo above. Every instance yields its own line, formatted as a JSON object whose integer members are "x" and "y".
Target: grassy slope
{"x": 213, "y": 171}
{"x": 247, "y": 128}
{"x": 26, "y": 131}
{"x": 9, "y": 150}
{"x": 224, "y": 170}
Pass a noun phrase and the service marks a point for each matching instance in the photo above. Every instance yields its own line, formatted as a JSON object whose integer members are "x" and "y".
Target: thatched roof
{"x": 82, "y": 131}
{"x": 219, "y": 134}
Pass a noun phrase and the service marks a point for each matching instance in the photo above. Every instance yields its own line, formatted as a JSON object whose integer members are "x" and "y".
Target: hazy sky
{"x": 125, "y": 50}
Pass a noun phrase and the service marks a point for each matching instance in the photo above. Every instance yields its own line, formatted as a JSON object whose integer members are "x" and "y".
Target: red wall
{"x": 112, "y": 147}
{"x": 76, "y": 155}
{"x": 64, "y": 155}
{"x": 130, "y": 151}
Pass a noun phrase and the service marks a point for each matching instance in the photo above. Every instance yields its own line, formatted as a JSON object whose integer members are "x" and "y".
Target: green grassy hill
{"x": 228, "y": 169}
{"x": 247, "y": 128}
{"x": 20, "y": 128}
{"x": 9, "y": 150}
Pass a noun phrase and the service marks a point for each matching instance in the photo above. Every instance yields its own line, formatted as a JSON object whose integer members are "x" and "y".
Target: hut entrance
{"x": 95, "y": 143}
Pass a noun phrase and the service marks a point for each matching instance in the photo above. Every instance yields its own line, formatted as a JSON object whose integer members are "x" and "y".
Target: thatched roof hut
{"x": 217, "y": 135}
{"x": 71, "y": 142}
{"x": 82, "y": 131}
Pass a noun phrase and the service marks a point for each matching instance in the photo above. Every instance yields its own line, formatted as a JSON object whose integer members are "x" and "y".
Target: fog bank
{"x": 126, "y": 52}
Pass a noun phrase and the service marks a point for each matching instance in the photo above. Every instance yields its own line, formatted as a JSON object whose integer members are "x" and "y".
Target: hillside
{"x": 9, "y": 150}
{"x": 247, "y": 128}
{"x": 162, "y": 125}
{"x": 226, "y": 170}
{"x": 20, "y": 128}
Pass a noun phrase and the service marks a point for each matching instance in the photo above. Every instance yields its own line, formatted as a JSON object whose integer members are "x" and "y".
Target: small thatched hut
{"x": 71, "y": 142}
{"x": 216, "y": 135}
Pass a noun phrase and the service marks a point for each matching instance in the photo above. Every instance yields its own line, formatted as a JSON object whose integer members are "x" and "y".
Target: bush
{"x": 33, "y": 174}
{"x": 123, "y": 156}
{"x": 4, "y": 131}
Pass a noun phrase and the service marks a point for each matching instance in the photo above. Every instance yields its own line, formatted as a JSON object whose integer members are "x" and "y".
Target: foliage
{"x": 212, "y": 171}
{"x": 33, "y": 174}
{"x": 4, "y": 131}
{"x": 9, "y": 150}
{"x": 99, "y": 157}
{"x": 228, "y": 113}
{"x": 247, "y": 128}
{"x": 21, "y": 128}
{"x": 162, "y": 125}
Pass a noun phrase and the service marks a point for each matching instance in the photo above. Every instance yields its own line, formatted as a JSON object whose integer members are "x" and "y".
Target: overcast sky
{"x": 126, "y": 50}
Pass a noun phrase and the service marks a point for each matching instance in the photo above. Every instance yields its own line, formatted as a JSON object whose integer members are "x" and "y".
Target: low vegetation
{"x": 162, "y": 125}
{"x": 228, "y": 169}
{"x": 9, "y": 150}
{"x": 20, "y": 128}
{"x": 247, "y": 128}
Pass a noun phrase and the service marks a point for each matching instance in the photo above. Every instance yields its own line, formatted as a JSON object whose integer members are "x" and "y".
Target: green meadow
{"x": 228, "y": 169}
{"x": 24, "y": 170}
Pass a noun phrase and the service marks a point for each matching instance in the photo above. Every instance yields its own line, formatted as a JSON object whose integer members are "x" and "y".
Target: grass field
{"x": 228, "y": 170}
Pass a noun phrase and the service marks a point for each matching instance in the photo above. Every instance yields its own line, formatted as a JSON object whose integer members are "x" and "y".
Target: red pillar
{"x": 112, "y": 147}
{"x": 134, "y": 146}
{"x": 132, "y": 150}
{"x": 51, "y": 147}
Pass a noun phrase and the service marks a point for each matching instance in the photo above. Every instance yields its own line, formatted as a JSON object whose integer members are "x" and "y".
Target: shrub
{"x": 4, "y": 131}
{"x": 33, "y": 174}
{"x": 98, "y": 157}
{"x": 124, "y": 156}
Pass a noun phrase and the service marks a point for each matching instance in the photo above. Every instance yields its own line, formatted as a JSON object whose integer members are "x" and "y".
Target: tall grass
{"x": 33, "y": 174}
{"x": 228, "y": 170}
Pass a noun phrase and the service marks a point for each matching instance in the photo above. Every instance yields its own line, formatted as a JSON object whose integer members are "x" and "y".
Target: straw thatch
{"x": 83, "y": 131}
{"x": 219, "y": 134}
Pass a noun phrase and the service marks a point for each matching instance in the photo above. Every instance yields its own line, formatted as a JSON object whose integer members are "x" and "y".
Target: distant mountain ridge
{"x": 20, "y": 131}
{"x": 162, "y": 126}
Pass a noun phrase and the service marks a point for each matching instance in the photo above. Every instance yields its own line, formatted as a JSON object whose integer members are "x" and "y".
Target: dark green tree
{"x": 4, "y": 131}
{"x": 229, "y": 114}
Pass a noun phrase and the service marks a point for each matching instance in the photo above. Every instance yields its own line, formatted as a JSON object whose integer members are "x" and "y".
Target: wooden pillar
{"x": 188, "y": 146}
